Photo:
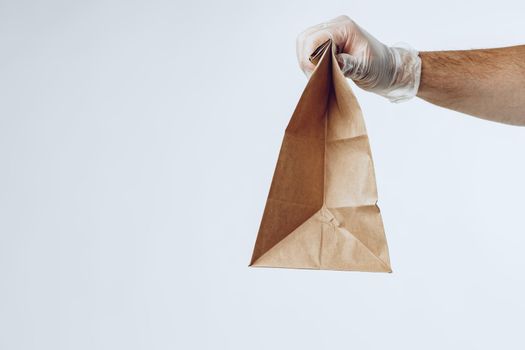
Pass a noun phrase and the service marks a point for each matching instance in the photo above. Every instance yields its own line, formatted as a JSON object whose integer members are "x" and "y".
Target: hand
{"x": 392, "y": 72}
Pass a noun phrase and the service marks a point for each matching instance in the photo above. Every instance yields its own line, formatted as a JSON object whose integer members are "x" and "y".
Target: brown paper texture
{"x": 321, "y": 211}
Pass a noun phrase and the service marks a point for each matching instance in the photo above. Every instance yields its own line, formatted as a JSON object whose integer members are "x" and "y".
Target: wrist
{"x": 406, "y": 74}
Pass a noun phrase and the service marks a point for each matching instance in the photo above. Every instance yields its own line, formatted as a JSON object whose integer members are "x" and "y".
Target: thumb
{"x": 349, "y": 65}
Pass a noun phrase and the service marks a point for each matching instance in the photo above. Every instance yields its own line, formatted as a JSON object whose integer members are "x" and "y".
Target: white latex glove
{"x": 392, "y": 72}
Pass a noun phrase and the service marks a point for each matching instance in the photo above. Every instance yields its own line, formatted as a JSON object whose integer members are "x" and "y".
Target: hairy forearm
{"x": 489, "y": 84}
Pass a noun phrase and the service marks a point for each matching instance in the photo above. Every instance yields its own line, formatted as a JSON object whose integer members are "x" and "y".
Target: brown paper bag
{"x": 321, "y": 212}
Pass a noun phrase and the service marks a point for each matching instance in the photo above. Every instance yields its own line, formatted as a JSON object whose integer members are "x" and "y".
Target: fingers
{"x": 313, "y": 37}
{"x": 307, "y": 45}
{"x": 303, "y": 40}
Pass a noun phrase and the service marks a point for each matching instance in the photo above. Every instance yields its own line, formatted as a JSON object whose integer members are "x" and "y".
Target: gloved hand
{"x": 392, "y": 72}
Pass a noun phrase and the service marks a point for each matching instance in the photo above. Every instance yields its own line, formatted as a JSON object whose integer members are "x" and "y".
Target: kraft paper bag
{"x": 321, "y": 211}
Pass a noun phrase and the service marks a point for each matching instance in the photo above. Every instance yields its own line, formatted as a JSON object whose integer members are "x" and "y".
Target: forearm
{"x": 489, "y": 84}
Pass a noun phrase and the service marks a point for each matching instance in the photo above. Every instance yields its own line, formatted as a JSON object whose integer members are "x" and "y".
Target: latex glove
{"x": 392, "y": 72}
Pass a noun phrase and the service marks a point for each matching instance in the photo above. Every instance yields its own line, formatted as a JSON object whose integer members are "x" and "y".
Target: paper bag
{"x": 321, "y": 211}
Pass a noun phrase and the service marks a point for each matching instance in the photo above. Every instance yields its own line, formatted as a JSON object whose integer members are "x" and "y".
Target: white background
{"x": 137, "y": 144}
